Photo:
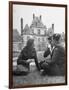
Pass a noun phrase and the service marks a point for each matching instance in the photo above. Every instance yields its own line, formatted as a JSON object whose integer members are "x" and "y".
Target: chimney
{"x": 21, "y": 26}
{"x": 33, "y": 15}
{"x": 40, "y": 17}
{"x": 53, "y": 27}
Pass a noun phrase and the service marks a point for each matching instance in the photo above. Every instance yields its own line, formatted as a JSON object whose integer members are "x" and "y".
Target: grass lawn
{"x": 34, "y": 77}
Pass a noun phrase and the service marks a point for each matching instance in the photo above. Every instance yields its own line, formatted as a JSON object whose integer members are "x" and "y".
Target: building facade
{"x": 38, "y": 31}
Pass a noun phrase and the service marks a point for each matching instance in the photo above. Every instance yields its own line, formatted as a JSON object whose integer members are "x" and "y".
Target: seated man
{"x": 56, "y": 64}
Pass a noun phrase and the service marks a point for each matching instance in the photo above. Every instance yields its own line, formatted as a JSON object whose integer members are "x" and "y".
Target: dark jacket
{"x": 56, "y": 64}
{"x": 28, "y": 53}
{"x": 57, "y": 61}
{"x": 58, "y": 55}
{"x": 47, "y": 52}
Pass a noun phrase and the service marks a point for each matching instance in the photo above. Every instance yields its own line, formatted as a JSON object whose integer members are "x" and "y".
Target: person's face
{"x": 51, "y": 42}
{"x": 54, "y": 43}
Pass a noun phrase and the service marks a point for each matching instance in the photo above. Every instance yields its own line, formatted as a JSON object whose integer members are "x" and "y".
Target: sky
{"x": 50, "y": 15}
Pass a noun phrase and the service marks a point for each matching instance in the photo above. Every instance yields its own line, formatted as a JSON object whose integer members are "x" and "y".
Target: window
{"x": 39, "y": 31}
{"x": 38, "y": 39}
{"x": 43, "y": 39}
{"x": 36, "y": 24}
{"x": 28, "y": 37}
{"x": 32, "y": 31}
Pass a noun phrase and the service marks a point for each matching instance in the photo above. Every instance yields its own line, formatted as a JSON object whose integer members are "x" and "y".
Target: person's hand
{"x": 42, "y": 72}
{"x": 29, "y": 60}
{"x": 48, "y": 62}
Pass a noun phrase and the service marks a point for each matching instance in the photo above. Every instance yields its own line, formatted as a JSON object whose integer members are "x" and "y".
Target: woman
{"x": 25, "y": 57}
{"x": 56, "y": 64}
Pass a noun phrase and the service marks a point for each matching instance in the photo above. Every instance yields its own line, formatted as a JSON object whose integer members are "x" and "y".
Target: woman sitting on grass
{"x": 25, "y": 57}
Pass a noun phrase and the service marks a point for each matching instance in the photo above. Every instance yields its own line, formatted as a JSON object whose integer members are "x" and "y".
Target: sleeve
{"x": 20, "y": 55}
{"x": 47, "y": 52}
{"x": 23, "y": 55}
{"x": 19, "y": 58}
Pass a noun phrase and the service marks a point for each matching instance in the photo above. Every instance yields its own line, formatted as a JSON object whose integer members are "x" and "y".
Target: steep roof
{"x": 37, "y": 23}
{"x": 26, "y": 29}
{"x": 16, "y": 36}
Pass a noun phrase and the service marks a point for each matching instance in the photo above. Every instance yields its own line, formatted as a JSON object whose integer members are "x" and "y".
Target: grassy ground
{"x": 34, "y": 77}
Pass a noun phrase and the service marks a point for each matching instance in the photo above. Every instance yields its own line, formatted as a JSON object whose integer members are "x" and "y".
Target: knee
{"x": 44, "y": 65}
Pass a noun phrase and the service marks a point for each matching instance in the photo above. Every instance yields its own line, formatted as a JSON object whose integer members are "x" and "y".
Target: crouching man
{"x": 56, "y": 65}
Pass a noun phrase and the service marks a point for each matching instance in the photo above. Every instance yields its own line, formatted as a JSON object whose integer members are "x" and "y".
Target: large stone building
{"x": 38, "y": 31}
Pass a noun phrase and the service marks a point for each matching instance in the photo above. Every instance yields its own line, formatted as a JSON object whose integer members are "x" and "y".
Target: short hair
{"x": 56, "y": 37}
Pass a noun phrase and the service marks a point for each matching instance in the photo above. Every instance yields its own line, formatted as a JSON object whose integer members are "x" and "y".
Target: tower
{"x": 53, "y": 28}
{"x": 21, "y": 26}
{"x": 33, "y": 16}
{"x": 22, "y": 29}
{"x": 40, "y": 17}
